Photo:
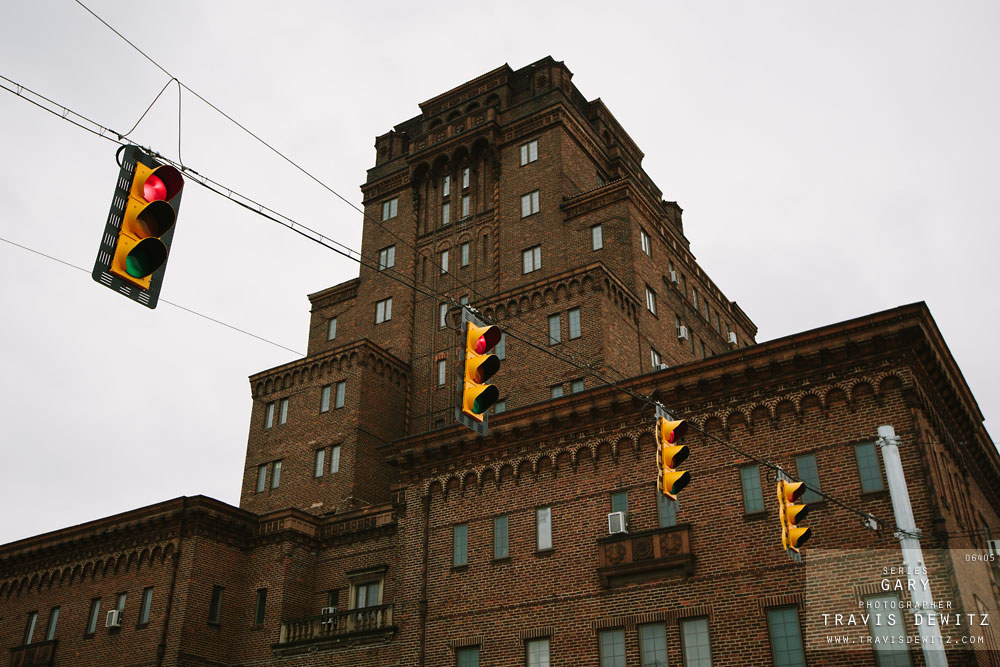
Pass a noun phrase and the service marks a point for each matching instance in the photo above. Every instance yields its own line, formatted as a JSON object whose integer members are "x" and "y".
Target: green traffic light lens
{"x": 485, "y": 399}
{"x": 146, "y": 257}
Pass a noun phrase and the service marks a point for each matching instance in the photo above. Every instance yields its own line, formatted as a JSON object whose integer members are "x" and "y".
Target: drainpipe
{"x": 426, "y": 503}
{"x": 161, "y": 650}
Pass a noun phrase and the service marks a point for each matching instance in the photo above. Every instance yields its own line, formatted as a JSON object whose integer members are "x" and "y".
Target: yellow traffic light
{"x": 791, "y": 514}
{"x": 669, "y": 455}
{"x": 480, "y": 365}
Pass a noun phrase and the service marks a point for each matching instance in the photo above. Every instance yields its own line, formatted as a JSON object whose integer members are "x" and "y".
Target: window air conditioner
{"x": 616, "y": 523}
{"x": 732, "y": 338}
{"x": 662, "y": 367}
{"x": 114, "y": 619}
{"x": 327, "y": 611}
{"x": 674, "y": 278}
{"x": 682, "y": 332}
{"x": 994, "y": 547}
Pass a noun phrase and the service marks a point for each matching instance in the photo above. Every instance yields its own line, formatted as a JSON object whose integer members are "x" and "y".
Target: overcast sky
{"x": 832, "y": 161}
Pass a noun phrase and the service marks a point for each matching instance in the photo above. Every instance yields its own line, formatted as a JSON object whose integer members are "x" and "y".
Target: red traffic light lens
{"x": 154, "y": 189}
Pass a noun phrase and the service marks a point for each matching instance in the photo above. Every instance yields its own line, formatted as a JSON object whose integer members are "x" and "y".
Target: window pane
{"x": 465, "y": 254}
{"x": 654, "y": 358}
{"x": 555, "y": 329}
{"x": 667, "y": 509}
{"x": 534, "y": 202}
{"x": 543, "y": 524}
{"x": 500, "y": 406}
{"x": 341, "y": 389}
{"x": 597, "y": 237}
{"x": 786, "y": 640}
{"x": 465, "y": 178}
{"x": 868, "y": 467}
{"x": 612, "y": 648}
{"x": 95, "y": 610}
{"x": 388, "y": 309}
{"x": 653, "y": 645}
{"x": 753, "y": 499}
{"x": 533, "y": 151}
{"x": 276, "y": 475}
{"x": 324, "y": 399}
{"x": 269, "y": 415}
{"x": 525, "y": 206}
{"x": 29, "y": 629}
{"x": 619, "y": 501}
{"x": 526, "y": 262}
{"x": 805, "y": 466}
{"x": 500, "y": 537}
{"x": 120, "y": 603}
{"x": 694, "y": 638}
{"x": 576, "y": 386}
{"x": 538, "y": 652}
{"x": 574, "y": 323}
{"x": 215, "y": 606}
{"x": 465, "y": 206}
{"x": 888, "y": 641}
{"x": 442, "y": 371}
{"x": 443, "y": 315}
{"x": 446, "y": 186}
{"x": 459, "y": 541}
{"x": 283, "y": 415}
{"x": 320, "y": 467}
{"x": 335, "y": 459}
{"x": 258, "y": 617}
{"x": 468, "y": 657}
{"x": 261, "y": 477}
{"x": 445, "y": 213}
{"x": 501, "y": 348}
{"x": 444, "y": 261}
{"x": 331, "y": 331}
{"x": 50, "y": 633}
{"x": 147, "y": 603}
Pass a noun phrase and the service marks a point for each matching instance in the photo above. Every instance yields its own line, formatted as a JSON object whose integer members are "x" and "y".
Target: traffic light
{"x": 478, "y": 365}
{"x": 140, "y": 226}
{"x": 791, "y": 514}
{"x": 670, "y": 454}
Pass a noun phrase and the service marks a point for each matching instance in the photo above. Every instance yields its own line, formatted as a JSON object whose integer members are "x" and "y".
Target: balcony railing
{"x": 650, "y": 554}
{"x": 353, "y": 624}
{"x": 39, "y": 654}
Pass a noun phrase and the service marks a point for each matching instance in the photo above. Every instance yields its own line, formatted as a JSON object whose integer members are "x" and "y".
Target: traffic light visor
{"x": 798, "y": 536}
{"x": 160, "y": 184}
{"x": 672, "y": 431}
{"x": 674, "y": 456}
{"x": 673, "y": 482}
{"x": 793, "y": 491}
{"x": 480, "y": 339}
{"x": 477, "y": 399}
{"x": 480, "y": 368}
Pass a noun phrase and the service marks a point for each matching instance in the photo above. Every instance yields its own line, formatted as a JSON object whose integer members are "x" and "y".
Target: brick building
{"x": 373, "y": 530}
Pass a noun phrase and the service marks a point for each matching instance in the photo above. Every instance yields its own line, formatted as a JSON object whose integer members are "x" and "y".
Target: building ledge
{"x": 627, "y": 558}
{"x": 342, "y": 628}
{"x": 39, "y": 654}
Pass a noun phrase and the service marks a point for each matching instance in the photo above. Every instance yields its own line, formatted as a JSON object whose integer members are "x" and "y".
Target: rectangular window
{"x": 442, "y": 316}
{"x": 442, "y": 371}
{"x": 446, "y": 213}
{"x": 366, "y": 594}
{"x": 465, "y": 178}
{"x": 467, "y": 657}
{"x": 531, "y": 259}
{"x": 654, "y": 358}
{"x": 215, "y": 606}
{"x": 283, "y": 411}
{"x": 575, "y": 386}
{"x": 444, "y": 262}
{"x": 753, "y": 498}
{"x": 501, "y": 348}
{"x": 666, "y": 508}
{"x": 383, "y": 310}
{"x": 29, "y": 629}
{"x": 261, "y": 607}
{"x": 335, "y": 458}
{"x": 557, "y": 391}
{"x": 529, "y": 204}
{"x": 889, "y": 641}
{"x": 694, "y": 297}
{"x": 646, "y": 245}
{"x": 390, "y": 208}
{"x": 319, "y": 463}
{"x": 276, "y": 475}
{"x": 50, "y": 632}
{"x": 460, "y": 544}
{"x": 500, "y": 544}
{"x": 333, "y": 598}
{"x": 446, "y": 186}
{"x": 653, "y": 645}
{"x": 537, "y": 652}
{"x": 500, "y": 406}
{"x": 597, "y": 237}
{"x": 465, "y": 206}
{"x": 650, "y": 300}
{"x": 786, "y": 638}
{"x": 868, "y": 467}
{"x": 146, "y": 605}
{"x": 331, "y": 329}
{"x": 555, "y": 329}
{"x": 324, "y": 399}
{"x": 612, "y": 646}
{"x": 543, "y": 528}
{"x": 529, "y": 152}
{"x": 619, "y": 501}
{"x": 695, "y": 645}
{"x": 805, "y": 466}
{"x": 464, "y": 254}
{"x": 269, "y": 415}
{"x": 261, "y": 477}
{"x": 464, "y": 300}
{"x": 574, "y": 323}
{"x": 387, "y": 258}
{"x": 95, "y": 611}
{"x": 338, "y": 399}
{"x": 120, "y": 601}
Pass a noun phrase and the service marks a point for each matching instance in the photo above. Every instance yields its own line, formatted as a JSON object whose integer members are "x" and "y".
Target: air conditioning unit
{"x": 682, "y": 332}
{"x": 617, "y": 523}
{"x": 662, "y": 367}
{"x": 328, "y": 611}
{"x": 994, "y": 547}
{"x": 114, "y": 619}
{"x": 674, "y": 278}
{"x": 732, "y": 338}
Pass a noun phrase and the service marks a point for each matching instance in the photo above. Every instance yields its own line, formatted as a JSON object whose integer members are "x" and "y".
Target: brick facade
{"x": 363, "y": 563}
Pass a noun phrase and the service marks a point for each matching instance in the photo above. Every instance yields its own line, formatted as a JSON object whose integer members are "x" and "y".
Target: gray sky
{"x": 832, "y": 161}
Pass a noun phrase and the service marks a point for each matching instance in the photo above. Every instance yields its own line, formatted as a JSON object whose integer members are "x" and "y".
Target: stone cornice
{"x": 333, "y": 295}
{"x": 468, "y": 90}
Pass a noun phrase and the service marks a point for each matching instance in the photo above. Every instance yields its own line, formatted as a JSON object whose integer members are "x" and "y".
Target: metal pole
{"x": 909, "y": 542}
